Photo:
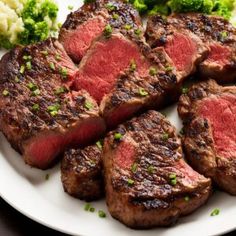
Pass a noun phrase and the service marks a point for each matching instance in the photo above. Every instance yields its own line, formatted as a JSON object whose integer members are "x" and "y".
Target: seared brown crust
{"x": 19, "y": 120}
{"x": 198, "y": 138}
{"x": 81, "y": 173}
{"x": 150, "y": 200}
{"x": 210, "y": 29}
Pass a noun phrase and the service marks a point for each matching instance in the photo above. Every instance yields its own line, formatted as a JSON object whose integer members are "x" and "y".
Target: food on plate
{"x": 81, "y": 172}
{"x": 222, "y": 8}
{"x": 39, "y": 114}
{"x": 84, "y": 25}
{"x": 26, "y": 21}
{"x": 217, "y": 34}
{"x": 208, "y": 112}
{"x": 147, "y": 181}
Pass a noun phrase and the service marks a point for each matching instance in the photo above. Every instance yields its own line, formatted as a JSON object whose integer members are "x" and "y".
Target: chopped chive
{"x": 88, "y": 105}
{"x": 184, "y": 90}
{"x": 70, "y": 7}
{"x": 99, "y": 144}
{"x": 45, "y": 53}
{"x": 108, "y": 31}
{"x": 118, "y": 136}
{"x": 60, "y": 90}
{"x": 110, "y": 6}
{"x": 87, "y": 206}
{"x": 5, "y": 93}
{"x": 92, "y": 209}
{"x": 28, "y": 65}
{"x": 58, "y": 57}
{"x": 115, "y": 16}
{"x": 133, "y": 66}
{"x": 173, "y": 179}
{"x": 26, "y": 58}
{"x": 35, "y": 107}
{"x": 52, "y": 66}
{"x": 47, "y": 177}
{"x": 172, "y": 176}
{"x": 130, "y": 182}
{"x": 152, "y": 71}
{"x": 101, "y": 214}
{"x": 143, "y": 92}
{"x": 63, "y": 72}
{"x": 36, "y": 92}
{"x": 186, "y": 198}
{"x": 32, "y": 86}
{"x": 150, "y": 169}
{"x": 137, "y": 32}
{"x": 224, "y": 34}
{"x": 22, "y": 69}
{"x": 17, "y": 80}
{"x": 128, "y": 27}
{"x": 215, "y": 212}
{"x": 134, "y": 167}
{"x": 53, "y": 109}
{"x": 59, "y": 25}
{"x": 169, "y": 68}
{"x": 165, "y": 137}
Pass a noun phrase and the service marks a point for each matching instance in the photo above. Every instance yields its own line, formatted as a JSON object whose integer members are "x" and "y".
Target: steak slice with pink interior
{"x": 219, "y": 36}
{"x": 209, "y": 114}
{"x": 185, "y": 49}
{"x": 39, "y": 114}
{"x": 87, "y": 23}
{"x": 81, "y": 172}
{"x": 147, "y": 182}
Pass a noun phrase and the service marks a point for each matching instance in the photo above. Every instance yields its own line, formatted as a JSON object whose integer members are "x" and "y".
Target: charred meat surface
{"x": 89, "y": 22}
{"x": 39, "y": 114}
{"x": 185, "y": 49}
{"x": 81, "y": 172}
{"x": 209, "y": 113}
{"x": 216, "y": 33}
{"x": 147, "y": 182}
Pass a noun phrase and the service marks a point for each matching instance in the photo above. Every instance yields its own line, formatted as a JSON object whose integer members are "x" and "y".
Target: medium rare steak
{"x": 87, "y": 23}
{"x": 209, "y": 113}
{"x": 39, "y": 114}
{"x": 215, "y": 32}
{"x": 147, "y": 182}
{"x": 184, "y": 48}
{"x": 81, "y": 172}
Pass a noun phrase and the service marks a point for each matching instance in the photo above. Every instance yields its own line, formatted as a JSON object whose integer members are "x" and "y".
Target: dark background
{"x": 13, "y": 223}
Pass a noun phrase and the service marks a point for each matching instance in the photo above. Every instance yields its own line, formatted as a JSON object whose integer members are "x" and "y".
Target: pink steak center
{"x": 106, "y": 60}
{"x": 182, "y": 50}
{"x": 221, "y": 113}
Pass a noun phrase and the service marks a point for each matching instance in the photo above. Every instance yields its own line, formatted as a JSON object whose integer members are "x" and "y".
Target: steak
{"x": 87, "y": 23}
{"x": 209, "y": 113}
{"x": 216, "y": 33}
{"x": 147, "y": 182}
{"x": 81, "y": 172}
{"x": 39, "y": 114}
{"x": 185, "y": 49}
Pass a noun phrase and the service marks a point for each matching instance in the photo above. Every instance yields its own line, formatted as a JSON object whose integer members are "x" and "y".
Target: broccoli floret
{"x": 161, "y": 9}
{"x": 5, "y": 43}
{"x": 185, "y": 5}
{"x": 207, "y": 6}
{"x": 223, "y": 8}
{"x": 140, "y": 5}
{"x": 49, "y": 8}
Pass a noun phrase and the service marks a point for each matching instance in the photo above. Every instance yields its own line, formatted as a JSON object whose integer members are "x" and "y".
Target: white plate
{"x": 44, "y": 201}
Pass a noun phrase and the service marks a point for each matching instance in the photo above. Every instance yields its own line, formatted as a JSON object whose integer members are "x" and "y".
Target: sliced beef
{"x": 209, "y": 114}
{"x": 216, "y": 33}
{"x": 87, "y": 23}
{"x": 147, "y": 182}
{"x": 39, "y": 114}
{"x": 185, "y": 49}
{"x": 81, "y": 172}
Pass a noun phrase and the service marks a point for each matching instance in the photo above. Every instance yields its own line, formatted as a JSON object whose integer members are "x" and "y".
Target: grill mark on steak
{"x": 81, "y": 173}
{"x": 208, "y": 112}
{"x": 185, "y": 48}
{"x": 88, "y": 22}
{"x": 137, "y": 169}
{"x": 34, "y": 129}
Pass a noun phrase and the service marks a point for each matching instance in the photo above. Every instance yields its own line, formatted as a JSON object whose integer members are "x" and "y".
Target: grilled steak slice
{"x": 184, "y": 48}
{"x": 87, "y": 23}
{"x": 147, "y": 182}
{"x": 209, "y": 112}
{"x": 220, "y": 37}
{"x": 39, "y": 114}
{"x": 81, "y": 173}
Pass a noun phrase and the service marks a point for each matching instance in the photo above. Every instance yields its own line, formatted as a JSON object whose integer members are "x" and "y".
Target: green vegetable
{"x": 117, "y": 136}
{"x": 162, "y": 9}
{"x": 35, "y": 107}
{"x": 101, "y": 214}
{"x": 150, "y": 169}
{"x": 165, "y": 137}
{"x": 87, "y": 206}
{"x": 143, "y": 92}
{"x": 88, "y": 105}
{"x": 215, "y": 212}
{"x": 173, "y": 179}
{"x": 99, "y": 144}
{"x": 140, "y": 5}
{"x": 5, "y": 93}
{"x": 153, "y": 71}
{"x": 134, "y": 167}
{"x": 185, "y": 5}
{"x": 132, "y": 66}
{"x": 53, "y": 109}
{"x": 130, "y": 182}
{"x": 108, "y": 31}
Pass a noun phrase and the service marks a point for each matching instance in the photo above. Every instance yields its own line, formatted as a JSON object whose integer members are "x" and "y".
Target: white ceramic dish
{"x": 44, "y": 201}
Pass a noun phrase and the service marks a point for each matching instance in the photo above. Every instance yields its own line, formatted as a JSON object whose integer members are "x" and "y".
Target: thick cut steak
{"x": 209, "y": 114}
{"x": 215, "y": 32}
{"x": 81, "y": 172}
{"x": 184, "y": 48}
{"x": 87, "y": 23}
{"x": 147, "y": 182}
{"x": 39, "y": 114}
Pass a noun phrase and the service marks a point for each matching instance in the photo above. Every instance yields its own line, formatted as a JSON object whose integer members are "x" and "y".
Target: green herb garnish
{"x": 143, "y": 92}
{"x": 53, "y": 109}
{"x": 215, "y": 212}
{"x": 70, "y": 8}
{"x": 118, "y": 136}
{"x": 169, "y": 68}
{"x": 137, "y": 32}
{"x": 60, "y": 90}
{"x": 45, "y": 53}
{"x": 58, "y": 57}
{"x": 5, "y": 93}
{"x": 52, "y": 66}
{"x": 99, "y": 144}
{"x": 28, "y": 65}
{"x": 32, "y": 86}
{"x": 150, "y": 169}
{"x": 17, "y": 80}
{"x": 115, "y": 16}
{"x": 132, "y": 66}
{"x": 152, "y": 71}
{"x": 110, "y": 6}
{"x": 88, "y": 105}
{"x": 130, "y": 182}
{"x": 173, "y": 179}
{"x": 87, "y": 206}
{"x": 108, "y": 31}
{"x": 36, "y": 92}
{"x": 63, "y": 71}
{"x": 165, "y": 137}
{"x": 101, "y": 214}
{"x": 184, "y": 90}
{"x": 22, "y": 69}
{"x": 35, "y": 107}
{"x": 128, "y": 27}
{"x": 134, "y": 167}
